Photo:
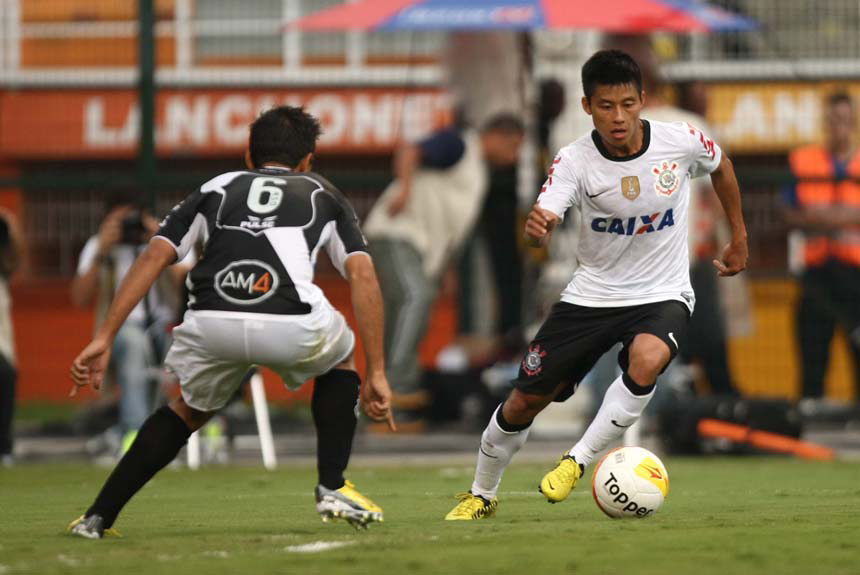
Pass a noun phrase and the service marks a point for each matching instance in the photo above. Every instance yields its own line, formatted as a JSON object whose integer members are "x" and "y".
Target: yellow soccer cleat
{"x": 348, "y": 504}
{"x": 91, "y": 527}
{"x": 472, "y": 507}
{"x": 558, "y": 483}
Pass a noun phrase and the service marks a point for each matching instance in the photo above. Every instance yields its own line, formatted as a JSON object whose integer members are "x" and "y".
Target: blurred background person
{"x": 140, "y": 345}
{"x": 484, "y": 86}
{"x": 11, "y": 247}
{"x": 823, "y": 207}
{"x": 419, "y": 222}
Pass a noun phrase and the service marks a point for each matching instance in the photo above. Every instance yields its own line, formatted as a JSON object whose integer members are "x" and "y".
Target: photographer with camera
{"x": 143, "y": 340}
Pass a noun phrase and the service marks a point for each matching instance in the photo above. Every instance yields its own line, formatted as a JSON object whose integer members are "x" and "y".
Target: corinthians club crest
{"x": 532, "y": 360}
{"x": 630, "y": 187}
{"x": 667, "y": 180}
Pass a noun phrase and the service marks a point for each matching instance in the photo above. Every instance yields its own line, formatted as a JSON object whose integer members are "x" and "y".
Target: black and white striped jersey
{"x": 261, "y": 231}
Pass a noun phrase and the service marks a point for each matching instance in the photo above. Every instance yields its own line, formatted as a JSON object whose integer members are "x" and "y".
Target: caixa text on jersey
{"x": 634, "y": 225}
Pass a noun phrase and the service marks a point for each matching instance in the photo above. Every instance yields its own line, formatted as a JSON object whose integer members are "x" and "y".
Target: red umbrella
{"x": 622, "y": 16}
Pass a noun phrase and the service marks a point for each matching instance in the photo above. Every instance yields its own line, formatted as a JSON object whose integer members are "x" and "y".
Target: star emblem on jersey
{"x": 532, "y": 361}
{"x": 630, "y": 187}
{"x": 667, "y": 179}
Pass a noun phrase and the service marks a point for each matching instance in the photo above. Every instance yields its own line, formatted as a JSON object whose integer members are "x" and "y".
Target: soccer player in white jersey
{"x": 630, "y": 179}
{"x": 253, "y": 302}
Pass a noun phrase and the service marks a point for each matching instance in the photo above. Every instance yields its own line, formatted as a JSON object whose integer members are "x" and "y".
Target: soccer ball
{"x": 630, "y": 482}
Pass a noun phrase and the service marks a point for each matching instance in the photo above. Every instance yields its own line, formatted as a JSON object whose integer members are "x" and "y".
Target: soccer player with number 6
{"x": 630, "y": 179}
{"x": 253, "y": 302}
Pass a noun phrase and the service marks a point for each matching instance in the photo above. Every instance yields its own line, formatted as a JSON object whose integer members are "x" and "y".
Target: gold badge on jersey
{"x": 630, "y": 187}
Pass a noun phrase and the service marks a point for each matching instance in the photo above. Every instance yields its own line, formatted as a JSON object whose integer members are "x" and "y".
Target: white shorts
{"x": 212, "y": 351}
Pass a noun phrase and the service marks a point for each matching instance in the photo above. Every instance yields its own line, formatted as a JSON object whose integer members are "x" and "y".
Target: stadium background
{"x": 70, "y": 133}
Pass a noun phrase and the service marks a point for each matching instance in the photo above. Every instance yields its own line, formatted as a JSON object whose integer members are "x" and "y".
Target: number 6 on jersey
{"x": 265, "y": 196}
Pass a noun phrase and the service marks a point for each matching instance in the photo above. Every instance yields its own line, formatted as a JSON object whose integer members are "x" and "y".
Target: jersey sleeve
{"x": 706, "y": 154}
{"x": 184, "y": 225}
{"x": 560, "y": 191}
{"x": 346, "y": 238}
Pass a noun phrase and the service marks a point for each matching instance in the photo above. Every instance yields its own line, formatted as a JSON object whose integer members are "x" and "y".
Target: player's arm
{"x": 347, "y": 250}
{"x": 735, "y": 254}
{"x": 90, "y": 365}
{"x": 539, "y": 226}
{"x": 559, "y": 192}
{"x": 367, "y": 304}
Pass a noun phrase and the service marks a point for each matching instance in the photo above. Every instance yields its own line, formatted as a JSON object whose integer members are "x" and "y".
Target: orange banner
{"x": 105, "y": 124}
{"x": 771, "y": 117}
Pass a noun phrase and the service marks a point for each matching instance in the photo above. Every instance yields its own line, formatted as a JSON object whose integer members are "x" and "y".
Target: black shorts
{"x": 573, "y": 338}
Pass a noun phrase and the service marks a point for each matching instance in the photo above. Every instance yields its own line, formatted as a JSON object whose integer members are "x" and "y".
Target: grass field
{"x": 722, "y": 516}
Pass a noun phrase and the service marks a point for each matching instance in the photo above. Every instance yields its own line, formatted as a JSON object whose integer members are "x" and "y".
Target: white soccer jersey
{"x": 633, "y": 234}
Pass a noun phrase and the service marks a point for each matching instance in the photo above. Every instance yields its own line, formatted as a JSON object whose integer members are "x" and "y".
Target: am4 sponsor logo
{"x": 246, "y": 282}
{"x": 635, "y": 225}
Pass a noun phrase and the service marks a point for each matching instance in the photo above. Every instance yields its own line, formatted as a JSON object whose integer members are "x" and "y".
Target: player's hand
{"x": 90, "y": 365}
{"x": 734, "y": 258}
{"x": 375, "y": 398}
{"x": 398, "y": 203}
{"x": 110, "y": 232}
{"x": 539, "y": 225}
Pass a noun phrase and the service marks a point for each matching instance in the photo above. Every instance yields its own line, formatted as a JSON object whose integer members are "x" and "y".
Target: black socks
{"x": 334, "y": 406}
{"x": 634, "y": 387}
{"x": 159, "y": 440}
{"x": 508, "y": 427}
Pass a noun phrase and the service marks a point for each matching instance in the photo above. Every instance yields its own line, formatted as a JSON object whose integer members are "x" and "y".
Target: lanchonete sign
{"x": 69, "y": 124}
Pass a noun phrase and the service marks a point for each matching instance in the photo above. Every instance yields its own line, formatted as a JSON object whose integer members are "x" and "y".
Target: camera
{"x": 133, "y": 230}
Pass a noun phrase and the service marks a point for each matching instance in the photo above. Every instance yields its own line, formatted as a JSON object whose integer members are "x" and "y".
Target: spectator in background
{"x": 415, "y": 227}
{"x": 823, "y": 204}
{"x": 11, "y": 246}
{"x": 140, "y": 345}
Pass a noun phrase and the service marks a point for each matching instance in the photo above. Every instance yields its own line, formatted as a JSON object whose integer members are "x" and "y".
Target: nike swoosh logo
{"x": 672, "y": 337}
{"x": 616, "y": 424}
{"x": 595, "y": 195}
{"x": 481, "y": 449}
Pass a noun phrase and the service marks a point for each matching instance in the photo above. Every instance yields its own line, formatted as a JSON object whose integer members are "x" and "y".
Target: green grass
{"x": 723, "y": 516}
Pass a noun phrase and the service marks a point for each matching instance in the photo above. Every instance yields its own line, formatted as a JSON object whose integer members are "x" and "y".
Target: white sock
{"x": 620, "y": 409}
{"x": 497, "y": 448}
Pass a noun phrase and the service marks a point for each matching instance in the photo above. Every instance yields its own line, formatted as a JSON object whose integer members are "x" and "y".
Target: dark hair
{"x": 504, "y": 123}
{"x": 610, "y": 68}
{"x": 840, "y": 98}
{"x": 285, "y": 135}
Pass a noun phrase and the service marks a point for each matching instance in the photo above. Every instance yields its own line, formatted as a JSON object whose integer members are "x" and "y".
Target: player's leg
{"x": 651, "y": 341}
{"x": 158, "y": 442}
{"x": 334, "y": 402}
{"x": 335, "y": 409}
{"x": 207, "y": 381}
{"x": 503, "y": 437}
{"x": 546, "y": 375}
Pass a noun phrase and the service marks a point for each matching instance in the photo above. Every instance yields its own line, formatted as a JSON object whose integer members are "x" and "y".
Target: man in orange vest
{"x": 824, "y": 205}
